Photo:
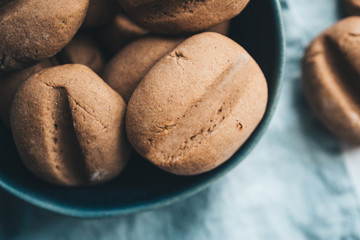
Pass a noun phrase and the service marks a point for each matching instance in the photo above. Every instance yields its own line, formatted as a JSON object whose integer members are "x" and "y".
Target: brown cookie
{"x": 100, "y": 12}
{"x": 120, "y": 32}
{"x": 130, "y": 65}
{"x": 352, "y": 7}
{"x": 197, "y": 105}
{"x": 35, "y": 30}
{"x": 181, "y": 16}
{"x": 331, "y": 70}
{"x": 68, "y": 126}
{"x": 83, "y": 50}
{"x": 10, "y": 83}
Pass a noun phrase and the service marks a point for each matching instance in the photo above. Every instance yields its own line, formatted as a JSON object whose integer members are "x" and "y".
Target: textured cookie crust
{"x": 181, "y": 16}
{"x": 68, "y": 126}
{"x": 331, "y": 70}
{"x": 34, "y": 30}
{"x": 125, "y": 71}
{"x": 197, "y": 105}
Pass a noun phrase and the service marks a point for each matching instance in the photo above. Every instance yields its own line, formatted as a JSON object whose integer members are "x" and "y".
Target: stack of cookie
{"x": 83, "y": 83}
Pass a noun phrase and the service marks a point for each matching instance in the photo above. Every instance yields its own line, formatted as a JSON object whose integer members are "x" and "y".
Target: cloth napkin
{"x": 299, "y": 183}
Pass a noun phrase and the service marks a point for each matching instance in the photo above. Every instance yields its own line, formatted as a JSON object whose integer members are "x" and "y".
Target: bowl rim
{"x": 168, "y": 199}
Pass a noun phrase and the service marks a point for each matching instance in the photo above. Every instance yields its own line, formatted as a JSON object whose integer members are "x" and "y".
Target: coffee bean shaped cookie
{"x": 331, "y": 70}
{"x": 83, "y": 50}
{"x": 100, "y": 12}
{"x": 31, "y": 31}
{"x": 68, "y": 126}
{"x": 181, "y": 16}
{"x": 10, "y": 83}
{"x": 352, "y": 7}
{"x": 197, "y": 105}
{"x": 125, "y": 71}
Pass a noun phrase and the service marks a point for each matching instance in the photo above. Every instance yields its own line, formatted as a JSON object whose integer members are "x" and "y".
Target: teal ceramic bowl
{"x": 259, "y": 29}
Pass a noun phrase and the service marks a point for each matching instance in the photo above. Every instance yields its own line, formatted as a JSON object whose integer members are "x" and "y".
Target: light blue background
{"x": 294, "y": 185}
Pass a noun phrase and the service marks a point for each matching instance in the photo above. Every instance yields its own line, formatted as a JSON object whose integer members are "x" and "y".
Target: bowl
{"x": 142, "y": 186}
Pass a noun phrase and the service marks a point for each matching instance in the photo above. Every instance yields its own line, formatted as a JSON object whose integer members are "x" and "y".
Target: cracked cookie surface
{"x": 197, "y": 105}
{"x": 68, "y": 126}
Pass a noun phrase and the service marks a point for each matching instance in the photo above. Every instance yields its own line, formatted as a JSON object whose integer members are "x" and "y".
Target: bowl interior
{"x": 142, "y": 186}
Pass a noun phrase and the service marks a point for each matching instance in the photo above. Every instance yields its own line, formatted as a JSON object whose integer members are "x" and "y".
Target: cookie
{"x": 197, "y": 105}
{"x": 35, "y": 30}
{"x": 180, "y": 16}
{"x": 331, "y": 69}
{"x": 125, "y": 71}
{"x": 68, "y": 126}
